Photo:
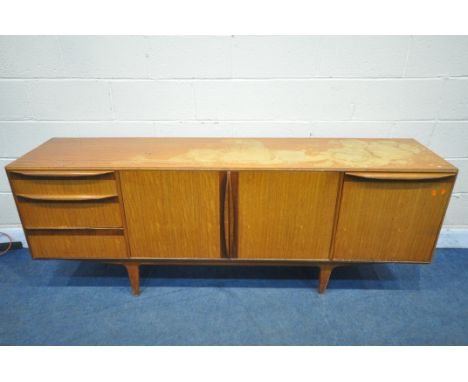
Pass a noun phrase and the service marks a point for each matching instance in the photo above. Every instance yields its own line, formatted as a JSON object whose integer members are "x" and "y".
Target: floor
{"x": 85, "y": 303}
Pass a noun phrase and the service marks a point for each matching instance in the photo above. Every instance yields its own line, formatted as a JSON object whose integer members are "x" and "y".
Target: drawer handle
{"x": 61, "y": 174}
{"x": 66, "y": 198}
{"x": 75, "y": 231}
{"x": 400, "y": 175}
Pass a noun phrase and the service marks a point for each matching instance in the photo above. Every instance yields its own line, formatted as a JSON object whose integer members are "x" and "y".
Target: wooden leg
{"x": 134, "y": 276}
{"x": 325, "y": 272}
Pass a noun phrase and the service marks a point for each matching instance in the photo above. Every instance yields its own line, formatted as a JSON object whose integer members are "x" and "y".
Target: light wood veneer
{"x": 77, "y": 244}
{"x": 324, "y": 202}
{"x": 172, "y": 214}
{"x": 286, "y": 214}
{"x": 390, "y": 219}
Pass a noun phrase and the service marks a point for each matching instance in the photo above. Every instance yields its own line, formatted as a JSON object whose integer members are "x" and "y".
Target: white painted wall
{"x": 278, "y": 86}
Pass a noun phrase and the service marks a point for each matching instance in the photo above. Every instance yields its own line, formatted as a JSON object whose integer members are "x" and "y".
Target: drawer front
{"x": 63, "y": 183}
{"x": 83, "y": 244}
{"x": 70, "y": 214}
{"x": 391, "y": 217}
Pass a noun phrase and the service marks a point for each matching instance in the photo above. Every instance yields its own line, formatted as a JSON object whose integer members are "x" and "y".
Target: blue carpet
{"x": 86, "y": 303}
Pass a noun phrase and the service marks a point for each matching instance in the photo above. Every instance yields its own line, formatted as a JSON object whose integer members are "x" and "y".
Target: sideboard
{"x": 216, "y": 201}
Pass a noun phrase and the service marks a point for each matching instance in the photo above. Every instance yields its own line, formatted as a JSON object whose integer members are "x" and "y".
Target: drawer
{"x": 93, "y": 183}
{"x": 77, "y": 244}
{"x": 78, "y": 213}
{"x": 391, "y": 216}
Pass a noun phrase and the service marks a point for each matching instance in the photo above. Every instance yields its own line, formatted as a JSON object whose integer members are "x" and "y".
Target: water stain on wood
{"x": 346, "y": 153}
{"x": 350, "y": 154}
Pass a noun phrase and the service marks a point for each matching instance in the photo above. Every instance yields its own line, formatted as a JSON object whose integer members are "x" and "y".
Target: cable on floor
{"x": 9, "y": 245}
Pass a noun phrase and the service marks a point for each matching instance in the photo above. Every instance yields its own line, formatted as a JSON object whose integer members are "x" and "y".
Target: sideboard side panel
{"x": 172, "y": 214}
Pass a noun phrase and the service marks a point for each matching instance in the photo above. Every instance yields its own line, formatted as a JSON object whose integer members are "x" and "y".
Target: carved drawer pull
{"x": 61, "y": 174}
{"x": 66, "y": 198}
{"x": 400, "y": 175}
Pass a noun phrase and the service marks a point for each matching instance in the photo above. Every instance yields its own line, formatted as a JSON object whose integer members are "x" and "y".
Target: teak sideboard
{"x": 322, "y": 202}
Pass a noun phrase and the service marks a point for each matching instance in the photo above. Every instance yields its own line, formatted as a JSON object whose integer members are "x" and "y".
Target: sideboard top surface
{"x": 346, "y": 154}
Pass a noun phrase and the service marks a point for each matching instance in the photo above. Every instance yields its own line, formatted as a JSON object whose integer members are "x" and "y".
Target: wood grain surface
{"x": 235, "y": 201}
{"x": 102, "y": 214}
{"x": 104, "y": 185}
{"x": 390, "y": 220}
{"x": 286, "y": 215}
{"x": 77, "y": 244}
{"x": 172, "y": 214}
{"x": 404, "y": 155}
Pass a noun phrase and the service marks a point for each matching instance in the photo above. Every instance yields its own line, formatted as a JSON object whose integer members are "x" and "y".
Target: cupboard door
{"x": 172, "y": 214}
{"x": 285, "y": 214}
{"x": 391, "y": 217}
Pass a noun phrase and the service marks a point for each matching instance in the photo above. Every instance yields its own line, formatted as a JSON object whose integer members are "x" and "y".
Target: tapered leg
{"x": 325, "y": 272}
{"x": 134, "y": 276}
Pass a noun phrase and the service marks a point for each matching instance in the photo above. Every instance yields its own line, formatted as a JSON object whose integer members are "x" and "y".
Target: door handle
{"x": 224, "y": 213}
{"x": 233, "y": 177}
{"x": 228, "y": 215}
